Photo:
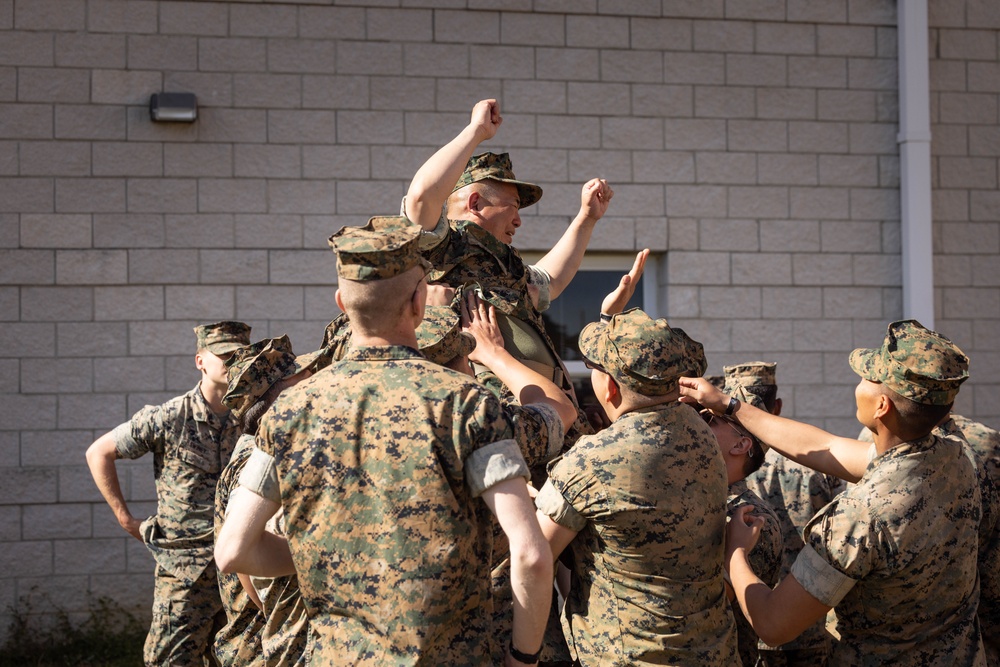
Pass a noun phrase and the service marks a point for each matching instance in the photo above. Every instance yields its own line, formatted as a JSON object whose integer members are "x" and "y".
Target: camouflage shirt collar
{"x": 202, "y": 412}
{"x": 382, "y": 353}
{"x": 504, "y": 253}
{"x": 737, "y": 489}
{"x": 904, "y": 449}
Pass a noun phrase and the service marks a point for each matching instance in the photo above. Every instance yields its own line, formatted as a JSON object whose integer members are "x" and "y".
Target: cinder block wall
{"x": 751, "y": 144}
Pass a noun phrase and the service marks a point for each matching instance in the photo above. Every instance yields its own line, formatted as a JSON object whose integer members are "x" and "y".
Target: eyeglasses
{"x": 710, "y": 418}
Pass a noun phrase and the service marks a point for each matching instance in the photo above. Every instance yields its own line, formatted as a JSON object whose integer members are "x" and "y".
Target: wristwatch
{"x": 526, "y": 658}
{"x": 731, "y": 408}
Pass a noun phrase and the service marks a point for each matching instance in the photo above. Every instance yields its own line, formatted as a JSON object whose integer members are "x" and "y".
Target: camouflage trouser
{"x": 185, "y": 620}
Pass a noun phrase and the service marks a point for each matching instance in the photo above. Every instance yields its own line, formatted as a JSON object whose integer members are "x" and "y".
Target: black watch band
{"x": 731, "y": 408}
{"x": 605, "y": 317}
{"x": 526, "y": 658}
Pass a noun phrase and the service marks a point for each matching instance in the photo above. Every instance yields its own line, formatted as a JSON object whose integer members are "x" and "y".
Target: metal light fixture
{"x": 173, "y": 107}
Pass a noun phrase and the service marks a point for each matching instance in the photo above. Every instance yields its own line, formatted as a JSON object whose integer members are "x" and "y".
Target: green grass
{"x": 110, "y": 637}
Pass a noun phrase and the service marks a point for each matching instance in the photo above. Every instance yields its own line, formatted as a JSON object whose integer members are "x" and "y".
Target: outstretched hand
{"x": 616, "y": 301}
{"x": 700, "y": 390}
{"x": 479, "y": 319}
{"x": 486, "y": 119}
{"x": 743, "y": 530}
{"x": 594, "y": 198}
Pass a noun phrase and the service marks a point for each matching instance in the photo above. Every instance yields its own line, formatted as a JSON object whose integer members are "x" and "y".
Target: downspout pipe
{"x": 915, "y": 162}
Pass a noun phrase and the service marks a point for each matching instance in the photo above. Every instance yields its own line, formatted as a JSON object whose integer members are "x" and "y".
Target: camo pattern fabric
{"x": 186, "y": 617}
{"x": 984, "y": 447}
{"x": 190, "y": 445}
{"x": 916, "y": 363}
{"x": 647, "y": 498}
{"x": 896, "y": 554}
{"x": 238, "y": 643}
{"x": 795, "y": 493}
{"x": 765, "y": 560}
{"x": 380, "y": 460}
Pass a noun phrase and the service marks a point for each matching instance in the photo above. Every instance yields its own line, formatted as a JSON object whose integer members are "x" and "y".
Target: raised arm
{"x": 101, "y": 457}
{"x": 563, "y": 261}
{"x": 531, "y": 563}
{"x": 616, "y": 301}
{"x": 244, "y": 545}
{"x": 529, "y": 386}
{"x": 811, "y": 446}
{"x": 436, "y": 178}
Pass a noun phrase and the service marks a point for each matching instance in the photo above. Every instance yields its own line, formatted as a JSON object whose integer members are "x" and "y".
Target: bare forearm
{"x": 563, "y": 261}
{"x": 436, "y": 178}
{"x": 806, "y": 444}
{"x": 531, "y": 581}
{"x": 101, "y": 459}
{"x": 266, "y": 556}
{"x": 528, "y": 385}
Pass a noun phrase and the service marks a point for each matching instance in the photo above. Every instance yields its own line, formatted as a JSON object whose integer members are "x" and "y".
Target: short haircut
{"x": 916, "y": 419}
{"x": 488, "y": 189}
{"x": 375, "y": 306}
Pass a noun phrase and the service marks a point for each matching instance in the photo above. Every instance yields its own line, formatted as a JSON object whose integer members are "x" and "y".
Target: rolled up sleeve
{"x": 552, "y": 504}
{"x": 494, "y": 463}
{"x": 260, "y": 475}
{"x": 819, "y": 578}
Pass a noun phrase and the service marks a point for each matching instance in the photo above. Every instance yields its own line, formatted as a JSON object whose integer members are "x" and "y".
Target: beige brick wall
{"x": 752, "y": 145}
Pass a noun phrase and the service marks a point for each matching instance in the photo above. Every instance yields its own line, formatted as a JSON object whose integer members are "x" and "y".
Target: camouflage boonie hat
{"x": 497, "y": 167}
{"x": 751, "y": 374}
{"x": 383, "y": 248}
{"x": 441, "y": 337}
{"x": 641, "y": 353}
{"x": 337, "y": 337}
{"x": 222, "y": 337}
{"x": 916, "y": 363}
{"x": 254, "y": 369}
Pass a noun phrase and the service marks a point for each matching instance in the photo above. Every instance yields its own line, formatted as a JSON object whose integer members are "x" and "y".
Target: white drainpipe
{"x": 915, "y": 162}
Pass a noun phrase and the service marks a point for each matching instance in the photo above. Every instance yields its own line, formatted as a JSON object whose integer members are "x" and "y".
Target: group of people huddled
{"x": 425, "y": 488}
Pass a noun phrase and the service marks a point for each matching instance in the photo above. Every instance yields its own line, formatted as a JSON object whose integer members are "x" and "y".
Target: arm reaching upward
{"x": 811, "y": 446}
{"x": 436, "y": 178}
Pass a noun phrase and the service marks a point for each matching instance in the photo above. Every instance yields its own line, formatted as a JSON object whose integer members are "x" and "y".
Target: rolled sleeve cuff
{"x": 552, "y": 504}
{"x": 553, "y": 423}
{"x": 124, "y": 442}
{"x": 494, "y": 463}
{"x": 820, "y": 579}
{"x": 541, "y": 279}
{"x": 433, "y": 238}
{"x": 260, "y": 475}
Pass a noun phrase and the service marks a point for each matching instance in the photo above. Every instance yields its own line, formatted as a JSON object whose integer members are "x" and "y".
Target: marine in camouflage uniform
{"x": 256, "y": 373}
{"x": 796, "y": 493}
{"x": 896, "y": 553}
{"x": 191, "y": 438}
{"x": 645, "y": 500}
{"x": 380, "y": 463}
{"x": 467, "y": 240}
{"x": 743, "y": 454}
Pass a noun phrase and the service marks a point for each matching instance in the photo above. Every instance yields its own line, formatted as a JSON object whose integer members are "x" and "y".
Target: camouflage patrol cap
{"x": 441, "y": 337}
{"x": 497, "y": 167}
{"x": 254, "y": 369}
{"x": 641, "y": 353}
{"x": 916, "y": 363}
{"x": 750, "y": 374}
{"x": 383, "y": 248}
{"x": 222, "y": 337}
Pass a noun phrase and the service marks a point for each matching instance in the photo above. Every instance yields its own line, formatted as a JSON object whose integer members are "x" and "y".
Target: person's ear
{"x": 339, "y": 300}
{"x": 741, "y": 446}
{"x": 199, "y": 362}
{"x": 475, "y": 201}
{"x": 613, "y": 394}
{"x": 882, "y": 407}
{"x": 777, "y": 407}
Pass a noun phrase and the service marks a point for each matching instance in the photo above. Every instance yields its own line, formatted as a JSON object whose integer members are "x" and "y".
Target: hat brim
{"x": 306, "y": 362}
{"x": 867, "y": 363}
{"x": 589, "y": 342}
{"x": 219, "y": 349}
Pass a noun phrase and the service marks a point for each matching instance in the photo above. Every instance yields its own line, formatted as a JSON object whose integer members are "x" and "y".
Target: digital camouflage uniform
{"x": 378, "y": 462}
{"x": 238, "y": 642}
{"x": 896, "y": 554}
{"x": 795, "y": 493}
{"x": 984, "y": 448}
{"x": 190, "y": 446}
{"x": 647, "y": 497}
{"x": 462, "y": 252}
{"x": 253, "y": 371}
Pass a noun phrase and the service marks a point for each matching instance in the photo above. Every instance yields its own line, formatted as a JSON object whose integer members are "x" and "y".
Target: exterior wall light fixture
{"x": 173, "y": 107}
